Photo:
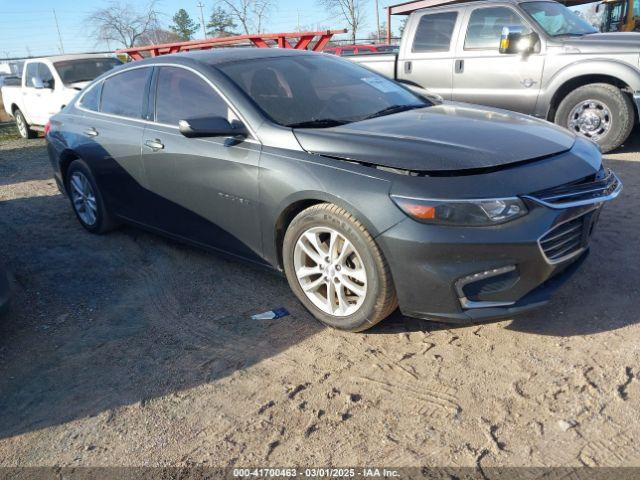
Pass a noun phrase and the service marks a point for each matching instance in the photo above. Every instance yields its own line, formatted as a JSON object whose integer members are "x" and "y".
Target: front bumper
{"x": 466, "y": 274}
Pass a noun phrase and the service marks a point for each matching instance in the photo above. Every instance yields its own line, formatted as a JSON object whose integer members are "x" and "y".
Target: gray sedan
{"x": 367, "y": 195}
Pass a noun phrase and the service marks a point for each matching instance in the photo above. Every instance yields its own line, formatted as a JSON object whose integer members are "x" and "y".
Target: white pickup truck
{"x": 48, "y": 84}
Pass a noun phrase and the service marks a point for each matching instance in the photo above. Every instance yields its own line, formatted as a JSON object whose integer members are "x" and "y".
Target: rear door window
{"x": 485, "y": 27}
{"x": 123, "y": 94}
{"x": 182, "y": 95}
{"x": 434, "y": 32}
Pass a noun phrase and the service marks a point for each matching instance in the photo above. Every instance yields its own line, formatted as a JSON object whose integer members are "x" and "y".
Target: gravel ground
{"x": 129, "y": 349}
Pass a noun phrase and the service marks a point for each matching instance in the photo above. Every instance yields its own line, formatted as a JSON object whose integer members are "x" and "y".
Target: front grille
{"x": 588, "y": 190}
{"x": 569, "y": 238}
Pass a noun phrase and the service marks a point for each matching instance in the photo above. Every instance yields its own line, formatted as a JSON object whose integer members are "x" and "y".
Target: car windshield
{"x": 318, "y": 91}
{"x": 557, "y": 20}
{"x": 84, "y": 70}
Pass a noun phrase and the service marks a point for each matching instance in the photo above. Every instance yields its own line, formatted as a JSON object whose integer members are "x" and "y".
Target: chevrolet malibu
{"x": 366, "y": 194}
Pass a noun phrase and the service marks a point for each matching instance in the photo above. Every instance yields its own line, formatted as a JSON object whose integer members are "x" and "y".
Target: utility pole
{"x": 378, "y": 20}
{"x": 204, "y": 29}
{"x": 55, "y": 17}
{"x": 298, "y": 22}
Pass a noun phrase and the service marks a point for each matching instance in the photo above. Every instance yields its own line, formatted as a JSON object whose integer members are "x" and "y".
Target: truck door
{"x": 39, "y": 102}
{"x": 427, "y": 59}
{"x": 485, "y": 76}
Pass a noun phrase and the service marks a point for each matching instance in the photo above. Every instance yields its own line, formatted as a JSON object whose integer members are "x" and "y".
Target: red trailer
{"x": 315, "y": 41}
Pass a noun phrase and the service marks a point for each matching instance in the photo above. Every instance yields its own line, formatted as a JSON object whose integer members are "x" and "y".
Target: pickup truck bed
{"x": 384, "y": 63}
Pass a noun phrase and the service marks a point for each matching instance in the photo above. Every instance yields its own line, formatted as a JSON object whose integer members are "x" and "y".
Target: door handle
{"x": 91, "y": 132}
{"x": 154, "y": 145}
{"x": 459, "y": 66}
{"x": 407, "y": 67}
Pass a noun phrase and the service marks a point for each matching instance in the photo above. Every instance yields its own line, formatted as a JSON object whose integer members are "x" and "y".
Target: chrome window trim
{"x": 78, "y": 105}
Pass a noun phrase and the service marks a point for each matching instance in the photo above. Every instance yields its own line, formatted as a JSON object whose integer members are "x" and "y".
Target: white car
{"x": 48, "y": 84}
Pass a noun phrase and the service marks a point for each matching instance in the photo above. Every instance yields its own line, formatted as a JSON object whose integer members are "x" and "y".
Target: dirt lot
{"x": 129, "y": 349}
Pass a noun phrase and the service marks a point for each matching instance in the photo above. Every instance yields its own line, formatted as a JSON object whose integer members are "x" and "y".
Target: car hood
{"x": 605, "y": 42}
{"x": 450, "y": 136}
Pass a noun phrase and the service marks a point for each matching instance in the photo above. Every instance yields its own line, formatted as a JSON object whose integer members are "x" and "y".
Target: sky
{"x": 28, "y": 27}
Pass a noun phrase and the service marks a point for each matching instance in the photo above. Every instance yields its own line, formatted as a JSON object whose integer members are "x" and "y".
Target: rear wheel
{"x": 86, "y": 199}
{"x": 599, "y": 111}
{"x": 336, "y": 270}
{"x": 23, "y": 127}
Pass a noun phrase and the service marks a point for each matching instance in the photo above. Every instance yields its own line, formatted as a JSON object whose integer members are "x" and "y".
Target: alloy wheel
{"x": 330, "y": 271}
{"x": 83, "y": 198}
{"x": 591, "y": 118}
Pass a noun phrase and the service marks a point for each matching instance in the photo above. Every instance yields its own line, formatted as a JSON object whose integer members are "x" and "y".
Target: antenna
{"x": 55, "y": 17}
{"x": 200, "y": 5}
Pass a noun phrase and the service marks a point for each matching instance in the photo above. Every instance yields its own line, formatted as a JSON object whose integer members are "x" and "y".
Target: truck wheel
{"x": 336, "y": 270}
{"x": 599, "y": 111}
{"x": 23, "y": 127}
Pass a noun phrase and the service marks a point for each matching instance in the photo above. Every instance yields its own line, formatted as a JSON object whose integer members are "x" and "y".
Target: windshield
{"x": 84, "y": 70}
{"x": 557, "y": 20}
{"x": 318, "y": 90}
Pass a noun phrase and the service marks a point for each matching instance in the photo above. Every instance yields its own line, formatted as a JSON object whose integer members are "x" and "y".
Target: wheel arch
{"x": 292, "y": 206}
{"x": 575, "y": 83}
{"x": 64, "y": 160}
{"x": 578, "y": 74}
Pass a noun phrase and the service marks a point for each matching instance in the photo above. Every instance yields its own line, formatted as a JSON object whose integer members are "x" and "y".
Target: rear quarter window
{"x": 434, "y": 32}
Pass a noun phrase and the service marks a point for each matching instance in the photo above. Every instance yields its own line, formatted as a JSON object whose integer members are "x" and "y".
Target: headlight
{"x": 490, "y": 211}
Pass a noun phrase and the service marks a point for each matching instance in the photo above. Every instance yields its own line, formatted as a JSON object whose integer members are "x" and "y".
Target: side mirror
{"x": 211, "y": 127}
{"x": 37, "y": 82}
{"x": 515, "y": 41}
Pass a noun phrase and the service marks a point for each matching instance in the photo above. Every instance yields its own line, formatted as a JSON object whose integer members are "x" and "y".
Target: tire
{"x": 103, "y": 222}
{"x": 354, "y": 310}
{"x": 23, "y": 127}
{"x": 609, "y": 102}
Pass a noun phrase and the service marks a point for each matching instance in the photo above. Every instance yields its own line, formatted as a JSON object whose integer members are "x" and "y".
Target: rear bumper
{"x": 461, "y": 275}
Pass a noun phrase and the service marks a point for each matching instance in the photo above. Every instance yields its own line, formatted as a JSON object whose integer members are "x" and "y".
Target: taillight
{"x": 47, "y": 127}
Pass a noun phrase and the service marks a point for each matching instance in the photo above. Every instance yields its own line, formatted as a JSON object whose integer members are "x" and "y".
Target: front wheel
{"x": 336, "y": 270}
{"x": 599, "y": 111}
{"x": 23, "y": 127}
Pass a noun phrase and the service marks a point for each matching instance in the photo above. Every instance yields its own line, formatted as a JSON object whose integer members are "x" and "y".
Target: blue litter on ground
{"x": 271, "y": 314}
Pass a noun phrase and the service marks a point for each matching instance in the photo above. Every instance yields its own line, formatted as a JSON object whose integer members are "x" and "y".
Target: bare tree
{"x": 157, "y": 36}
{"x": 122, "y": 23}
{"x": 250, "y": 14}
{"x": 351, "y": 10}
